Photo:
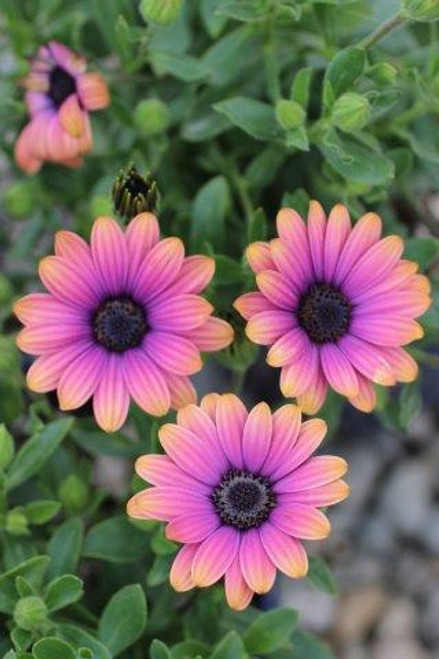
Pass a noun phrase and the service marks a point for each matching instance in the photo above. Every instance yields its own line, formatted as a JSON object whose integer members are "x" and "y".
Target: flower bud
{"x": 161, "y": 12}
{"x": 134, "y": 194}
{"x": 19, "y": 199}
{"x": 30, "y": 613}
{"x": 151, "y": 117}
{"x": 421, "y": 10}
{"x": 7, "y": 449}
{"x": 16, "y": 522}
{"x": 289, "y": 114}
{"x": 383, "y": 74}
{"x": 350, "y": 112}
{"x": 73, "y": 493}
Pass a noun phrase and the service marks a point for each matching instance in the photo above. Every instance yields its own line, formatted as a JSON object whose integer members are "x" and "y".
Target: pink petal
{"x": 161, "y": 470}
{"x": 259, "y": 257}
{"x": 45, "y": 372}
{"x": 214, "y": 556}
{"x": 238, "y": 594}
{"x": 297, "y": 375}
{"x": 146, "y": 383}
{"x": 286, "y": 426}
{"x": 301, "y": 521}
{"x": 209, "y": 404}
{"x": 195, "y": 274}
{"x": 365, "y": 233}
{"x": 192, "y": 527}
{"x": 44, "y": 309}
{"x": 181, "y": 389}
{"x": 141, "y": 235}
{"x": 81, "y": 378}
{"x": 257, "y": 569}
{"x": 214, "y": 334}
{"x": 314, "y": 472}
{"x": 337, "y": 231}
{"x": 266, "y": 327}
{"x": 365, "y": 400}
{"x": 231, "y": 416}
{"x": 402, "y": 302}
{"x": 199, "y": 457}
{"x": 311, "y": 400}
{"x": 179, "y": 313}
{"x": 68, "y": 283}
{"x": 180, "y": 575}
{"x": 250, "y": 304}
{"x": 309, "y": 439}
{"x": 316, "y": 237}
{"x": 287, "y": 553}
{"x": 38, "y": 339}
{"x": 71, "y": 116}
{"x": 173, "y": 353}
{"x": 288, "y": 348}
{"x": 325, "y": 495}
{"x": 66, "y": 58}
{"x": 384, "y": 331}
{"x": 111, "y": 400}
{"x": 159, "y": 270}
{"x": 338, "y": 370}
{"x": 194, "y": 419}
{"x": 277, "y": 289}
{"x": 295, "y": 265}
{"x": 292, "y": 229}
{"x": 93, "y": 91}
{"x": 367, "y": 359}
{"x": 373, "y": 266}
{"x": 166, "y": 503}
{"x": 404, "y": 367}
{"x": 110, "y": 254}
{"x": 24, "y": 153}
{"x": 257, "y": 437}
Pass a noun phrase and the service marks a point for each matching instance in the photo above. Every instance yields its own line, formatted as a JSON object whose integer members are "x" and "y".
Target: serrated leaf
{"x": 270, "y": 631}
{"x": 254, "y": 117}
{"x": 320, "y": 575}
{"x": 65, "y": 547}
{"x": 36, "y": 451}
{"x": 116, "y": 540}
{"x": 63, "y": 591}
{"x": 124, "y": 619}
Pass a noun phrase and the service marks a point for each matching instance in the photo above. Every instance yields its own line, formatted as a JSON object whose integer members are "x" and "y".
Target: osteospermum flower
{"x": 240, "y": 490}
{"x": 59, "y": 96}
{"x": 122, "y": 318}
{"x": 336, "y": 304}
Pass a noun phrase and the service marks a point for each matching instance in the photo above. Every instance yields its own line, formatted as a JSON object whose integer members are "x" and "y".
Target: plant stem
{"x": 407, "y": 116}
{"x": 383, "y": 30}
{"x": 237, "y": 381}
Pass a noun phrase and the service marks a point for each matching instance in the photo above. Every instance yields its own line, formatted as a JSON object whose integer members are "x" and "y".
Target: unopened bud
{"x": 134, "y": 193}
{"x": 30, "y": 613}
{"x": 290, "y": 114}
{"x": 151, "y": 117}
{"x": 350, "y": 112}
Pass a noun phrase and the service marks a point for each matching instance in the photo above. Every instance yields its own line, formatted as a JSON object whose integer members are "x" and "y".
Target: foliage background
{"x": 236, "y": 108}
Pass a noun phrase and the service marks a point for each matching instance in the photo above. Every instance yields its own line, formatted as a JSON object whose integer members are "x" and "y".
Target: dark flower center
{"x": 324, "y": 313}
{"x": 61, "y": 85}
{"x": 119, "y": 324}
{"x": 243, "y": 500}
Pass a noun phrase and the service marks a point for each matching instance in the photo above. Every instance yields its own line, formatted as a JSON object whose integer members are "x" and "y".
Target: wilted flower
{"x": 134, "y": 193}
{"x": 59, "y": 96}
{"x": 240, "y": 490}
{"x": 122, "y": 318}
{"x": 336, "y": 304}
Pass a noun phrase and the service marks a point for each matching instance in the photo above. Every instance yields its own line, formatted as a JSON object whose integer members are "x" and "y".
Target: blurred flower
{"x": 133, "y": 193}
{"x": 240, "y": 490}
{"x": 59, "y": 96}
{"x": 335, "y": 304}
{"x": 122, "y": 318}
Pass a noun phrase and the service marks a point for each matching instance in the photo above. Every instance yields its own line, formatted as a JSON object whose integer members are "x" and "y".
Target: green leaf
{"x": 297, "y": 138}
{"x": 202, "y": 127}
{"x": 36, "y": 451}
{"x": 247, "y": 12}
{"x": 40, "y": 512}
{"x": 21, "y": 638}
{"x": 301, "y": 86}
{"x": 228, "y": 271}
{"x": 158, "y": 573}
{"x": 24, "y": 588}
{"x": 189, "y": 649}
{"x": 209, "y": 212}
{"x": 180, "y": 66}
{"x": 321, "y": 576}
{"x": 254, "y": 117}
{"x": 357, "y": 162}
{"x": 7, "y": 449}
{"x": 306, "y": 645}
{"x": 258, "y": 226}
{"x": 161, "y": 545}
{"x": 63, "y": 591}
{"x": 220, "y": 59}
{"x": 422, "y": 250}
{"x": 230, "y": 647}
{"x": 410, "y": 401}
{"x": 81, "y": 638}
{"x": 270, "y": 631}
{"x": 124, "y": 619}
{"x": 32, "y": 570}
{"x": 116, "y": 540}
{"x": 159, "y": 650}
{"x": 342, "y": 72}
{"x": 53, "y": 648}
{"x": 213, "y": 22}
{"x": 65, "y": 547}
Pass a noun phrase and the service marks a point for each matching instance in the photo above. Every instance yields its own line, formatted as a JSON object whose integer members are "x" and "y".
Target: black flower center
{"x": 243, "y": 500}
{"x": 61, "y": 85}
{"x": 324, "y": 313}
{"x": 119, "y": 324}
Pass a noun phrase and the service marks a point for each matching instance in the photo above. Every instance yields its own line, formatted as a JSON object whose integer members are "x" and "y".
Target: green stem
{"x": 407, "y": 116}
{"x": 383, "y": 30}
{"x": 237, "y": 381}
